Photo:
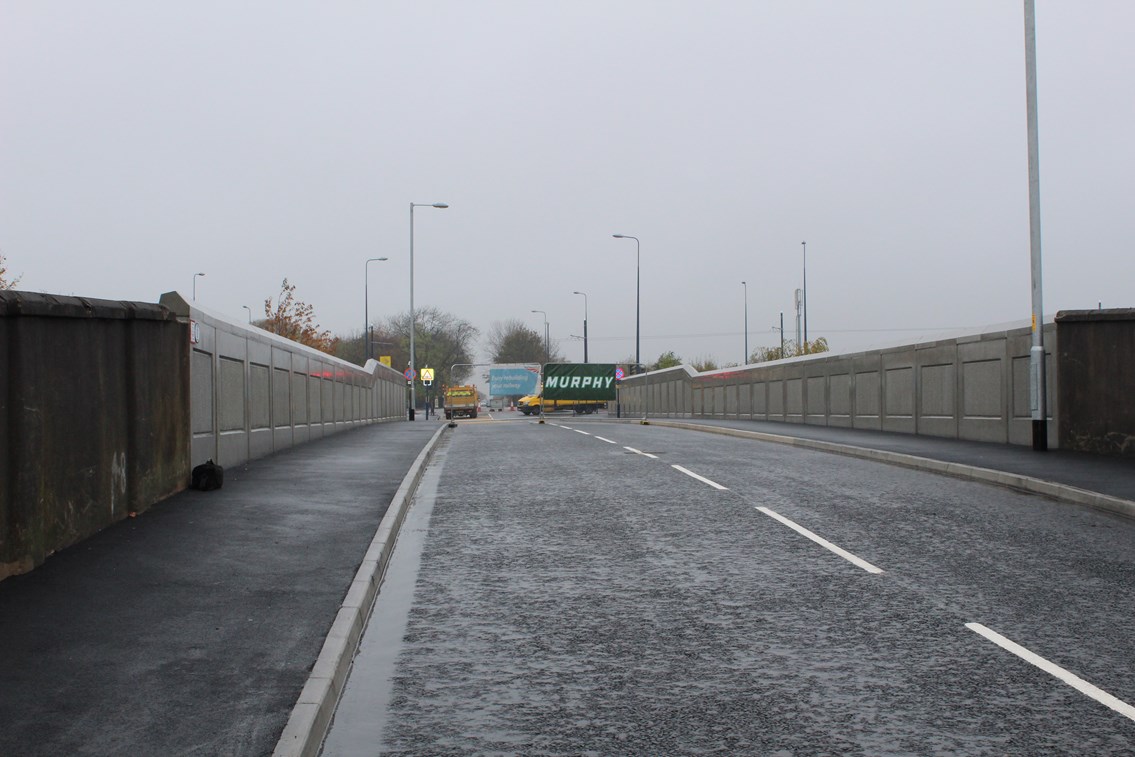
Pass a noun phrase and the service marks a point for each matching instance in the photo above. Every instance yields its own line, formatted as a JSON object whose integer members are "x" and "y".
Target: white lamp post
{"x": 413, "y": 323}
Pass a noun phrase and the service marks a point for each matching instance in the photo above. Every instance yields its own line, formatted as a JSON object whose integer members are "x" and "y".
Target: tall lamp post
{"x": 584, "y": 324}
{"x": 1038, "y": 391}
{"x": 366, "y": 306}
{"x": 195, "y": 285}
{"x": 637, "y": 298}
{"x": 805, "y": 246}
{"x": 541, "y": 312}
{"x": 246, "y": 307}
{"x": 413, "y": 323}
{"x": 746, "y": 360}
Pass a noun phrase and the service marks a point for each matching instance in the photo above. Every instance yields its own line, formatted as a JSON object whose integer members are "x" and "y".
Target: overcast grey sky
{"x": 141, "y": 142}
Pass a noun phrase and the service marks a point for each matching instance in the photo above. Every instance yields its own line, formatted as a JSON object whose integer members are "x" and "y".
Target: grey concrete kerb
{"x": 1061, "y": 492}
{"x": 311, "y": 717}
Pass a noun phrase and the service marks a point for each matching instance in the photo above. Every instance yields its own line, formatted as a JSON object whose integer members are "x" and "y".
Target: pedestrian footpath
{"x": 192, "y": 628}
{"x": 1106, "y": 483}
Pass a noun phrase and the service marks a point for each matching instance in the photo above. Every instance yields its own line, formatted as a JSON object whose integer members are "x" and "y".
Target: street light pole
{"x": 805, "y": 246}
{"x": 195, "y": 285}
{"x": 546, "y": 353}
{"x": 746, "y": 360}
{"x": 246, "y": 307}
{"x": 584, "y": 324}
{"x": 413, "y": 323}
{"x": 366, "y": 305}
{"x": 637, "y": 298}
{"x": 1038, "y": 391}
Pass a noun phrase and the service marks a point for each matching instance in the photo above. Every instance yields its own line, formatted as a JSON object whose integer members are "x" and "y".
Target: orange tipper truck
{"x": 461, "y": 401}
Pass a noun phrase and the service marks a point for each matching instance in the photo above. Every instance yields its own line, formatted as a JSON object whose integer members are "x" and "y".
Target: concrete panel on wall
{"x": 898, "y": 400}
{"x": 817, "y": 399}
{"x": 938, "y": 393}
{"x": 839, "y": 389}
{"x": 260, "y": 392}
{"x": 760, "y": 400}
{"x": 281, "y": 398}
{"x": 898, "y": 394}
{"x": 232, "y": 386}
{"x": 982, "y": 385}
{"x": 1020, "y": 373}
{"x": 299, "y": 399}
{"x": 794, "y": 400}
{"x": 201, "y": 399}
{"x": 776, "y": 400}
{"x": 326, "y": 401}
{"x": 718, "y": 400}
{"x": 745, "y": 400}
{"x": 868, "y": 400}
{"x": 314, "y": 403}
{"x": 731, "y": 400}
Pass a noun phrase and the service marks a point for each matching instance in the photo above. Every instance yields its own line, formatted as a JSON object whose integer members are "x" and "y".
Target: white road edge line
{"x": 703, "y": 479}
{"x": 602, "y": 439}
{"x": 821, "y": 541}
{"x": 569, "y": 428}
{"x": 585, "y": 433}
{"x": 1053, "y": 669}
{"x": 640, "y": 452}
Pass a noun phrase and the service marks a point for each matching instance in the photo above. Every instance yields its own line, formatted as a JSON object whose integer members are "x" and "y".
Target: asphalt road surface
{"x": 582, "y": 587}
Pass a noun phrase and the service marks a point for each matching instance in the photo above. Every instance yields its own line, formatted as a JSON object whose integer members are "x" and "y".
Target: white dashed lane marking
{"x": 821, "y": 541}
{"x": 703, "y": 479}
{"x": 1053, "y": 669}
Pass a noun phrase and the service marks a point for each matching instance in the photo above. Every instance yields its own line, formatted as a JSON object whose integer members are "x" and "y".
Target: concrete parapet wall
{"x": 1096, "y": 378}
{"x": 974, "y": 386}
{"x": 255, "y": 393}
{"x": 94, "y": 405}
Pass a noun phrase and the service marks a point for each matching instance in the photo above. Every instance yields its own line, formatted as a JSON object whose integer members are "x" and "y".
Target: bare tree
{"x": 6, "y": 280}
{"x": 512, "y": 341}
{"x": 441, "y": 340}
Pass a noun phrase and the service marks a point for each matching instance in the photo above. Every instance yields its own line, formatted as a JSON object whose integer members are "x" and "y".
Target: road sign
{"x": 409, "y": 374}
{"x": 427, "y": 375}
{"x": 619, "y": 373}
{"x": 506, "y": 381}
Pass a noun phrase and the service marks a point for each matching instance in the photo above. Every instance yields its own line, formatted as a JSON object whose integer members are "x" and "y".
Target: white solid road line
{"x": 703, "y": 479}
{"x": 609, "y": 441}
{"x": 640, "y": 452}
{"x": 821, "y": 541}
{"x": 1067, "y": 677}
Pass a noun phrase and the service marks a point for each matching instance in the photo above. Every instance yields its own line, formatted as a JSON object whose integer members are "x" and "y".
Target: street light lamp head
{"x": 440, "y": 205}
{"x": 619, "y": 236}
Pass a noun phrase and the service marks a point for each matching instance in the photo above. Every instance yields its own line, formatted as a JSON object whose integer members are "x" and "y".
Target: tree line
{"x": 446, "y": 342}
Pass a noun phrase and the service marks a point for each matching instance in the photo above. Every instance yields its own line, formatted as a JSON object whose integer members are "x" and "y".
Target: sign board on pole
{"x": 385, "y": 360}
{"x": 579, "y": 381}
{"x": 409, "y": 374}
{"x": 506, "y": 381}
{"x": 427, "y": 375}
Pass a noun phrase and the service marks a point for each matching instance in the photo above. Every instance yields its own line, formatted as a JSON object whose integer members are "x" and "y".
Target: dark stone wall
{"x": 94, "y": 418}
{"x": 1095, "y": 378}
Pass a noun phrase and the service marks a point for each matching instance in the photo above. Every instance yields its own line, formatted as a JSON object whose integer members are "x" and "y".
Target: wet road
{"x": 594, "y": 588}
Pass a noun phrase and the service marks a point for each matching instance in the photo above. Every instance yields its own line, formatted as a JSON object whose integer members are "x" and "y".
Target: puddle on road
{"x": 362, "y": 711}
